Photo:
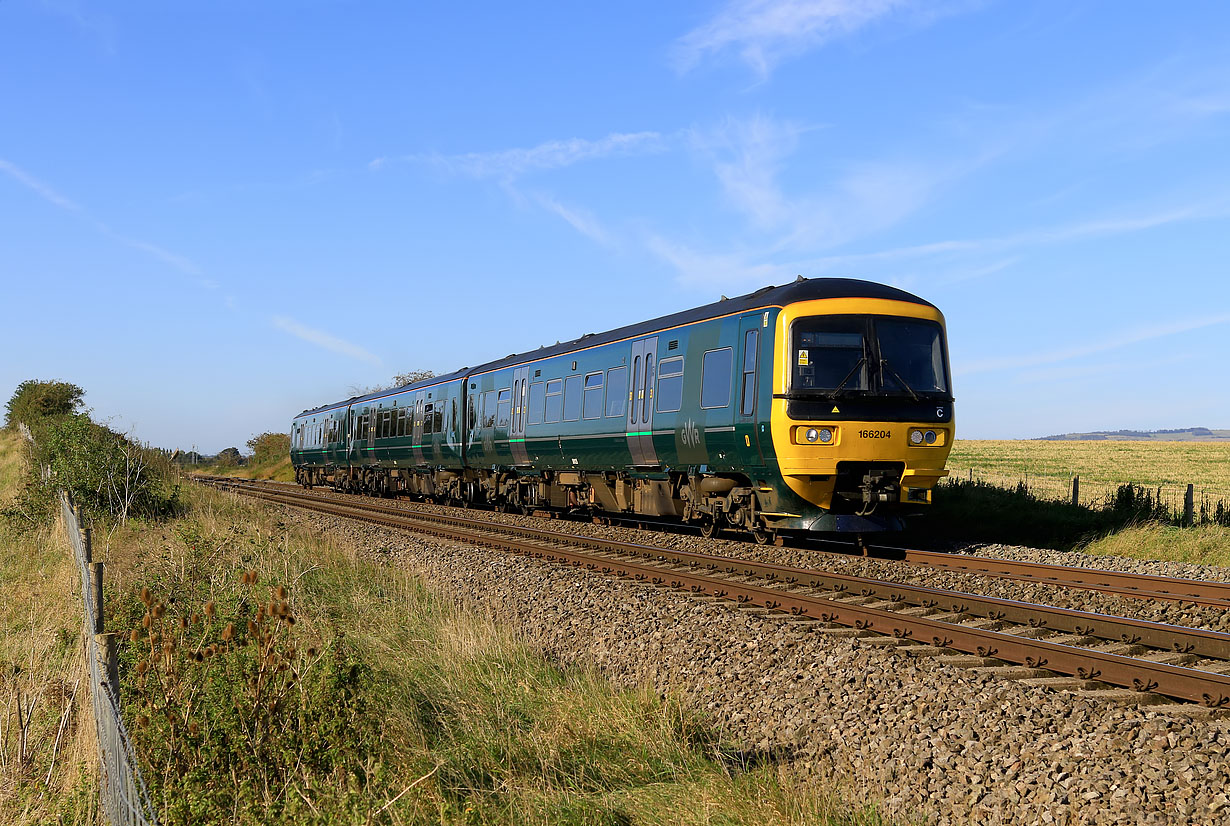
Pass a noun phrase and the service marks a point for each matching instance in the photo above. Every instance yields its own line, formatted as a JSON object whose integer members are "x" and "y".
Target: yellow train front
{"x": 861, "y": 411}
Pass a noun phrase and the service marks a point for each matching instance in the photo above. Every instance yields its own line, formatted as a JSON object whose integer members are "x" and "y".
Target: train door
{"x": 748, "y": 422}
{"x": 420, "y": 399}
{"x": 520, "y": 402}
{"x": 639, "y": 425}
{"x": 352, "y": 436}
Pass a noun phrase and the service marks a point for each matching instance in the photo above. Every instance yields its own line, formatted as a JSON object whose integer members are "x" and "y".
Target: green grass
{"x": 1201, "y": 545}
{"x": 444, "y": 716}
{"x": 279, "y": 470}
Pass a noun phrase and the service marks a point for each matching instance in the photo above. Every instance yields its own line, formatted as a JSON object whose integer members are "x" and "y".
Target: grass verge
{"x": 47, "y": 743}
{"x": 382, "y": 704}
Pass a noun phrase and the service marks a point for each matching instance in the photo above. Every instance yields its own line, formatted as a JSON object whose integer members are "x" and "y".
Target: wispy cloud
{"x": 43, "y": 190}
{"x": 578, "y": 218}
{"x": 509, "y": 164}
{"x": 1113, "y": 342}
{"x": 324, "y": 340}
{"x": 49, "y": 194}
{"x": 764, "y": 32}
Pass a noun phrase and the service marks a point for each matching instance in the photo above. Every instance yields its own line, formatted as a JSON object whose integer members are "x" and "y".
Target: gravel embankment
{"x": 920, "y": 739}
{"x": 1171, "y": 613}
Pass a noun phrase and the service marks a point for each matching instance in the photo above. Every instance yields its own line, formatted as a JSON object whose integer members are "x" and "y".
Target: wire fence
{"x": 1188, "y": 504}
{"x": 123, "y": 798}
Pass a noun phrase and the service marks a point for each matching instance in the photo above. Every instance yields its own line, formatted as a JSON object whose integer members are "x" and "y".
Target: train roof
{"x": 802, "y": 289}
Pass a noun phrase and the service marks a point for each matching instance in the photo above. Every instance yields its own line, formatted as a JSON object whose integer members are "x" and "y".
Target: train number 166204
{"x": 876, "y": 434}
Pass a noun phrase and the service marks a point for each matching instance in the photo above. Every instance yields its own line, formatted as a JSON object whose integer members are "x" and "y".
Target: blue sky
{"x": 213, "y": 215}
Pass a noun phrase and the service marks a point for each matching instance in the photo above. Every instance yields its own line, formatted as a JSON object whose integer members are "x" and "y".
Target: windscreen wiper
{"x": 884, "y": 366}
{"x": 832, "y": 394}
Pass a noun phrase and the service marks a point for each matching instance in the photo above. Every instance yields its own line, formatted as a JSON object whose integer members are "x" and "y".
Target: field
{"x": 977, "y": 512}
{"x": 1047, "y": 467}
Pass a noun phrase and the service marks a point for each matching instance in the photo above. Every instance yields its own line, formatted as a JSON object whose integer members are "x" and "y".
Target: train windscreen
{"x": 867, "y": 356}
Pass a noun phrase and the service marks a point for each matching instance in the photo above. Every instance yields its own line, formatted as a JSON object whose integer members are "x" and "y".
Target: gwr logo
{"x": 689, "y": 434}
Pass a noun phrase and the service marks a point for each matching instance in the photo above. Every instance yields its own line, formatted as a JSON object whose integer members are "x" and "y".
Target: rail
{"x": 123, "y": 798}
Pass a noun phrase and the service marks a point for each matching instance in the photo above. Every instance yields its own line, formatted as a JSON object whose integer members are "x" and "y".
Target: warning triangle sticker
{"x": 834, "y": 410}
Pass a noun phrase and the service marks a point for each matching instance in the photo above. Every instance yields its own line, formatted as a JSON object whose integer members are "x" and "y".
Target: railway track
{"x": 1057, "y": 647}
{"x": 1118, "y": 583}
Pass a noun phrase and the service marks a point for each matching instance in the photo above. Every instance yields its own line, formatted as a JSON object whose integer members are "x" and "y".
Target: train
{"x": 820, "y": 406}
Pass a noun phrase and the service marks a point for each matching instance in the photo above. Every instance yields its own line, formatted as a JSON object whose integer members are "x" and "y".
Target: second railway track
{"x": 1052, "y": 646}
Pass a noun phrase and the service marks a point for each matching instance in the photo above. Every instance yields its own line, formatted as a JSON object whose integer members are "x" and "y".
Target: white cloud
{"x": 323, "y": 339}
{"x": 764, "y": 32}
{"x": 510, "y": 164}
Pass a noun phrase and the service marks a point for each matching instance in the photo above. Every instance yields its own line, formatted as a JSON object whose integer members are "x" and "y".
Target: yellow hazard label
{"x": 803, "y": 358}
{"x": 834, "y": 410}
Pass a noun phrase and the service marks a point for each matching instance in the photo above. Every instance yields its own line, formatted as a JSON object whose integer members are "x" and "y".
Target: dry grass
{"x": 48, "y": 758}
{"x": 279, "y": 471}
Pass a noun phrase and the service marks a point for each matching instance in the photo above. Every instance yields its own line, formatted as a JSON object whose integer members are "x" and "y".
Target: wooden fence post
{"x": 108, "y": 661}
{"x": 87, "y": 544}
{"x": 1189, "y": 507}
{"x": 1076, "y": 490}
{"x": 96, "y": 587}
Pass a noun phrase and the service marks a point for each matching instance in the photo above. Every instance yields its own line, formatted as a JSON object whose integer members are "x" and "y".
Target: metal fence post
{"x": 1189, "y": 507}
{"x": 1076, "y": 490}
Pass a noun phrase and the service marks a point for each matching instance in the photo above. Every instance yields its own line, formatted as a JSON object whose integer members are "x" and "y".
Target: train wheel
{"x": 709, "y": 527}
{"x": 764, "y": 536}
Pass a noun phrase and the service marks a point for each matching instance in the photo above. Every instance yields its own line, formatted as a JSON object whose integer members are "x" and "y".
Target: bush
{"x": 111, "y": 477}
{"x": 35, "y": 400}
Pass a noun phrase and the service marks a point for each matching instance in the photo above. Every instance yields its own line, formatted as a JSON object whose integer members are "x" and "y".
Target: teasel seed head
{"x": 142, "y": 667}
{"x": 147, "y": 621}
{"x": 159, "y": 610}
{"x": 183, "y": 623}
{"x": 196, "y": 618}
{"x": 134, "y": 635}
{"x": 311, "y": 652}
{"x": 146, "y": 596}
{"x": 252, "y": 630}
{"x": 209, "y": 609}
{"x": 142, "y": 721}
{"x": 280, "y": 592}
{"x": 228, "y": 633}
{"x": 194, "y": 729}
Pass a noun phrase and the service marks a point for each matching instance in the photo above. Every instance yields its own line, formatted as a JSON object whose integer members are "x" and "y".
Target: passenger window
{"x": 503, "y": 408}
{"x": 428, "y": 420}
{"x": 538, "y": 402}
{"x": 489, "y": 408}
{"x": 616, "y": 391}
{"x": 572, "y": 398}
{"x": 471, "y": 413}
{"x": 670, "y": 385}
{"x": 438, "y": 421}
{"x": 592, "y": 407}
{"x": 555, "y": 400}
{"x": 715, "y": 378}
{"x": 748, "y": 394}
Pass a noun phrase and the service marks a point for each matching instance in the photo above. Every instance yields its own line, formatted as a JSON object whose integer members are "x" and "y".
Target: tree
{"x": 269, "y": 447}
{"x": 230, "y": 457}
{"x": 36, "y": 400}
{"x": 399, "y": 380}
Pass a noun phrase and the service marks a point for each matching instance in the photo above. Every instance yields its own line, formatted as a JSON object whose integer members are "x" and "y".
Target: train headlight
{"x": 826, "y": 435}
{"x": 929, "y": 437}
{"x": 812, "y": 434}
{"x": 916, "y": 437}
